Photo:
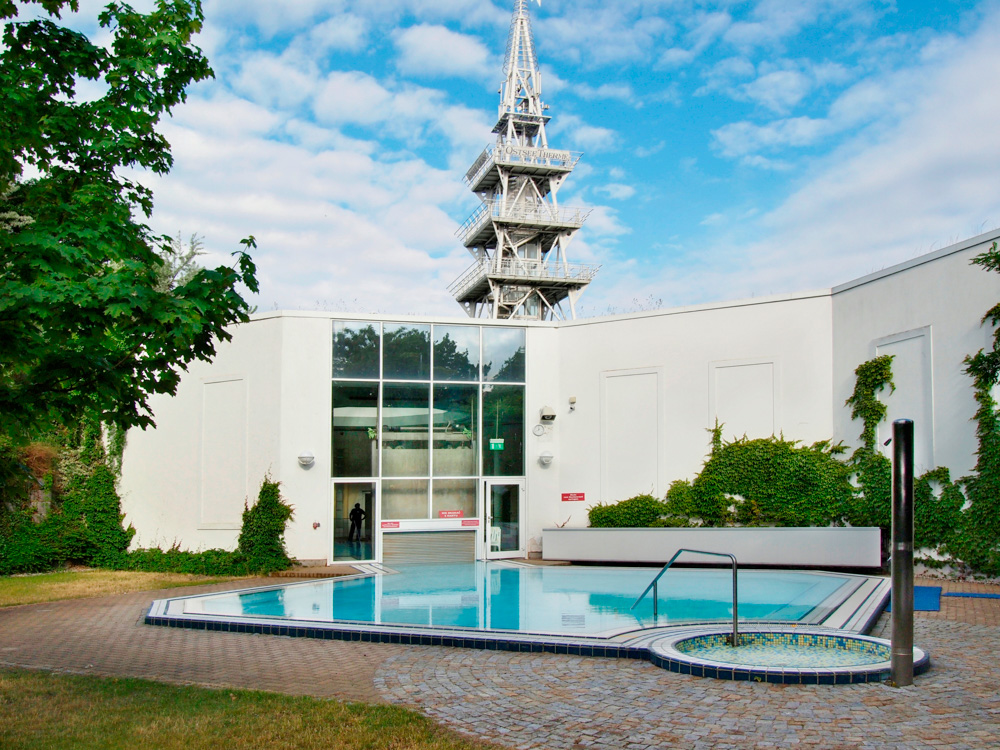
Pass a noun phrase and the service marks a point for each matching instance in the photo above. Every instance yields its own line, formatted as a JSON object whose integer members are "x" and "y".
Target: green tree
{"x": 84, "y": 328}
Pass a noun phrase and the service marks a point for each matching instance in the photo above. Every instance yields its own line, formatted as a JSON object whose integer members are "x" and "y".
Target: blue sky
{"x": 731, "y": 149}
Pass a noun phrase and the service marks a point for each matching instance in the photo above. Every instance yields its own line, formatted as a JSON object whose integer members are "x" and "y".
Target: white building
{"x": 434, "y": 426}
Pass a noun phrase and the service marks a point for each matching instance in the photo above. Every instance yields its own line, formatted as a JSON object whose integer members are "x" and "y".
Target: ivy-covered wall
{"x": 59, "y": 505}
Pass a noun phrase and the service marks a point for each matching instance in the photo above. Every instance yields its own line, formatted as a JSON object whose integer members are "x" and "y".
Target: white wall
{"x": 650, "y": 386}
{"x": 306, "y": 361}
{"x": 171, "y": 478}
{"x": 927, "y": 312}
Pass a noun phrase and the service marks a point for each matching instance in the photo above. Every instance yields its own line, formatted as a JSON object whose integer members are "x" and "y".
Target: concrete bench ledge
{"x": 784, "y": 546}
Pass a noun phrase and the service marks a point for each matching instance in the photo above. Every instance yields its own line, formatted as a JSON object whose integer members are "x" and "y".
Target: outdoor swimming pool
{"x": 504, "y": 597}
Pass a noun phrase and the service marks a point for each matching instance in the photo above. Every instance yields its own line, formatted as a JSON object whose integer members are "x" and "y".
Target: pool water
{"x": 787, "y": 650}
{"x": 510, "y": 597}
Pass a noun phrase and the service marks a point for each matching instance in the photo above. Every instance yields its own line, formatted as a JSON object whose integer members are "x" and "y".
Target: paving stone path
{"x": 543, "y": 700}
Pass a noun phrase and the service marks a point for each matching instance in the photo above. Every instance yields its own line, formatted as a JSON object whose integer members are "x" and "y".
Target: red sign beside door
{"x": 573, "y": 497}
{"x": 450, "y": 514}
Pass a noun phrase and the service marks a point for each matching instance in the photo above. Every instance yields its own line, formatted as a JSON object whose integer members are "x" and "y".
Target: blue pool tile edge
{"x": 658, "y": 651}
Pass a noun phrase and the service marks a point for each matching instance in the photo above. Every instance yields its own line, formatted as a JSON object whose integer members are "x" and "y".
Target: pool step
{"x": 858, "y": 613}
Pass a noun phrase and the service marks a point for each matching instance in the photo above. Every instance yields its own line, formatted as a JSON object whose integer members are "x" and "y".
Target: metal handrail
{"x": 652, "y": 585}
{"x": 544, "y": 213}
{"x": 527, "y": 269}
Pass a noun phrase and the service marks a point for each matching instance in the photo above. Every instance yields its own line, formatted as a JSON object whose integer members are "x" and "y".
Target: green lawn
{"x": 48, "y": 587}
{"x": 41, "y": 711}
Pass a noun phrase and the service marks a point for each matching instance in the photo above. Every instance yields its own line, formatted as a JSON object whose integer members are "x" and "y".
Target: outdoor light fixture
{"x": 306, "y": 458}
{"x": 572, "y": 403}
{"x": 547, "y": 414}
{"x": 545, "y": 458}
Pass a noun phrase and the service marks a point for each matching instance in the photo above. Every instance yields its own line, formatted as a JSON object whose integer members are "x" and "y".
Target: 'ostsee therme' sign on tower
{"x": 520, "y": 233}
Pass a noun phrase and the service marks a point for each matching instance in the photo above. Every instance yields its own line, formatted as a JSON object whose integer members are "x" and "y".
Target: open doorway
{"x": 353, "y": 521}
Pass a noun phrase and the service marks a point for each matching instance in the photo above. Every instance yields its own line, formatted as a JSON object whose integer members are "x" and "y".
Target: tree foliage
{"x": 84, "y": 327}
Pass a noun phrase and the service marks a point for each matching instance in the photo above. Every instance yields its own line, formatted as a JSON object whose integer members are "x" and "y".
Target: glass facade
{"x": 428, "y": 409}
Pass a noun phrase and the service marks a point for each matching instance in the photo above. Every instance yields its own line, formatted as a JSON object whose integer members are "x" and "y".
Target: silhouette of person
{"x": 357, "y": 516}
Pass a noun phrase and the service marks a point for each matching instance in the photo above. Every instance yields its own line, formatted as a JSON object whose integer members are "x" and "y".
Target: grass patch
{"x": 41, "y": 711}
{"x": 49, "y": 587}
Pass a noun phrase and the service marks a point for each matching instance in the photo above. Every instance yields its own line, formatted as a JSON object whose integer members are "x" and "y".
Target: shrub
{"x": 635, "y": 512}
{"x": 261, "y": 542}
{"x": 766, "y": 481}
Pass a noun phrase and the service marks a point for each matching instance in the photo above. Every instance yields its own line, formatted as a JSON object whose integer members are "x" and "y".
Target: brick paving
{"x": 106, "y": 636}
{"x": 544, "y": 700}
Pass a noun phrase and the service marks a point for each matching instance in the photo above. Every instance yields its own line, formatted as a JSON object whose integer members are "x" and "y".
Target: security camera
{"x": 547, "y": 414}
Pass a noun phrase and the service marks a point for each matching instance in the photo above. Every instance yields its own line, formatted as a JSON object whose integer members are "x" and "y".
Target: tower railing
{"x": 544, "y": 214}
{"x": 520, "y": 268}
{"x": 510, "y": 155}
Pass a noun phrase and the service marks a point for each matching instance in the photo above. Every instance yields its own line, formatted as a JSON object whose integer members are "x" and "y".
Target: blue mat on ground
{"x": 925, "y": 599}
{"x": 973, "y": 596}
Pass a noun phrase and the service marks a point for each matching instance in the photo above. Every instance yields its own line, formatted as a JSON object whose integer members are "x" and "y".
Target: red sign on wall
{"x": 470, "y": 521}
{"x": 450, "y": 514}
{"x": 573, "y": 497}
{"x": 390, "y": 524}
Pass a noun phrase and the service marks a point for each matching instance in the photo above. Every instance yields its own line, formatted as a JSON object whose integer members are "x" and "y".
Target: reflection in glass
{"x": 355, "y": 350}
{"x": 355, "y": 421}
{"x": 503, "y": 354}
{"x": 456, "y": 353}
{"x": 350, "y": 542}
{"x": 404, "y": 498}
{"x": 454, "y": 498}
{"x": 405, "y": 430}
{"x": 455, "y": 424}
{"x": 503, "y": 430}
{"x": 407, "y": 352}
{"x": 505, "y": 522}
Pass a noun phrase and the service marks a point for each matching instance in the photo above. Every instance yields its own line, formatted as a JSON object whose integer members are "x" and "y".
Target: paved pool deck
{"x": 546, "y": 700}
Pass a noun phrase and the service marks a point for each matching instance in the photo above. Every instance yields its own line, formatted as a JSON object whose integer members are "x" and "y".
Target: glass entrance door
{"x": 353, "y": 522}
{"x": 504, "y": 517}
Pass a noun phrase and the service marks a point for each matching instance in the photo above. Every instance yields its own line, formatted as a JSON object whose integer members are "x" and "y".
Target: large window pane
{"x": 455, "y": 426}
{"x": 454, "y": 498}
{"x": 407, "y": 353}
{"x": 355, "y": 350}
{"x": 503, "y": 354}
{"x": 404, "y": 498}
{"x": 405, "y": 430}
{"x": 503, "y": 430}
{"x": 355, "y": 420}
{"x": 456, "y": 353}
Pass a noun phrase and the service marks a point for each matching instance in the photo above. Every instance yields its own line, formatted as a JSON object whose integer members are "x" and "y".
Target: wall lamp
{"x": 545, "y": 458}
{"x": 306, "y": 458}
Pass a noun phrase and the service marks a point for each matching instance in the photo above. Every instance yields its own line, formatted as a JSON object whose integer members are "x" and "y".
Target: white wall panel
{"x": 743, "y": 398}
{"x": 223, "y": 453}
{"x": 630, "y": 434}
{"x": 913, "y": 396}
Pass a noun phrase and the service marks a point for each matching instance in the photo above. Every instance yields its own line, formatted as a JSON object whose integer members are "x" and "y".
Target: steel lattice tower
{"x": 520, "y": 233}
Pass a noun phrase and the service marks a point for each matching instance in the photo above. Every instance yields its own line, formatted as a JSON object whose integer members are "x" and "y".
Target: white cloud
{"x": 779, "y": 90}
{"x": 740, "y": 139}
{"x": 276, "y": 82}
{"x": 616, "y": 191}
{"x": 352, "y": 97}
{"x": 582, "y": 135}
{"x": 619, "y": 91}
{"x": 431, "y": 51}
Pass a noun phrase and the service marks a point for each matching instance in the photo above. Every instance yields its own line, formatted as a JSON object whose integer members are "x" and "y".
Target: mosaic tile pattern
{"x": 812, "y": 650}
{"x": 708, "y": 654}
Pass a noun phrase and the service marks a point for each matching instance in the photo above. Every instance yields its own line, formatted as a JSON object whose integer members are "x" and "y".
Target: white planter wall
{"x": 793, "y": 547}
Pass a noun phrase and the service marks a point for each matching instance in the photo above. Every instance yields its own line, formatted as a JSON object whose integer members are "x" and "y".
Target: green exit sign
{"x": 496, "y": 445}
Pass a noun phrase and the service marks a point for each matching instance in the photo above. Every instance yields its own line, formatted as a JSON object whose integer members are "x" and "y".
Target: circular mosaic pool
{"x": 781, "y": 655}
